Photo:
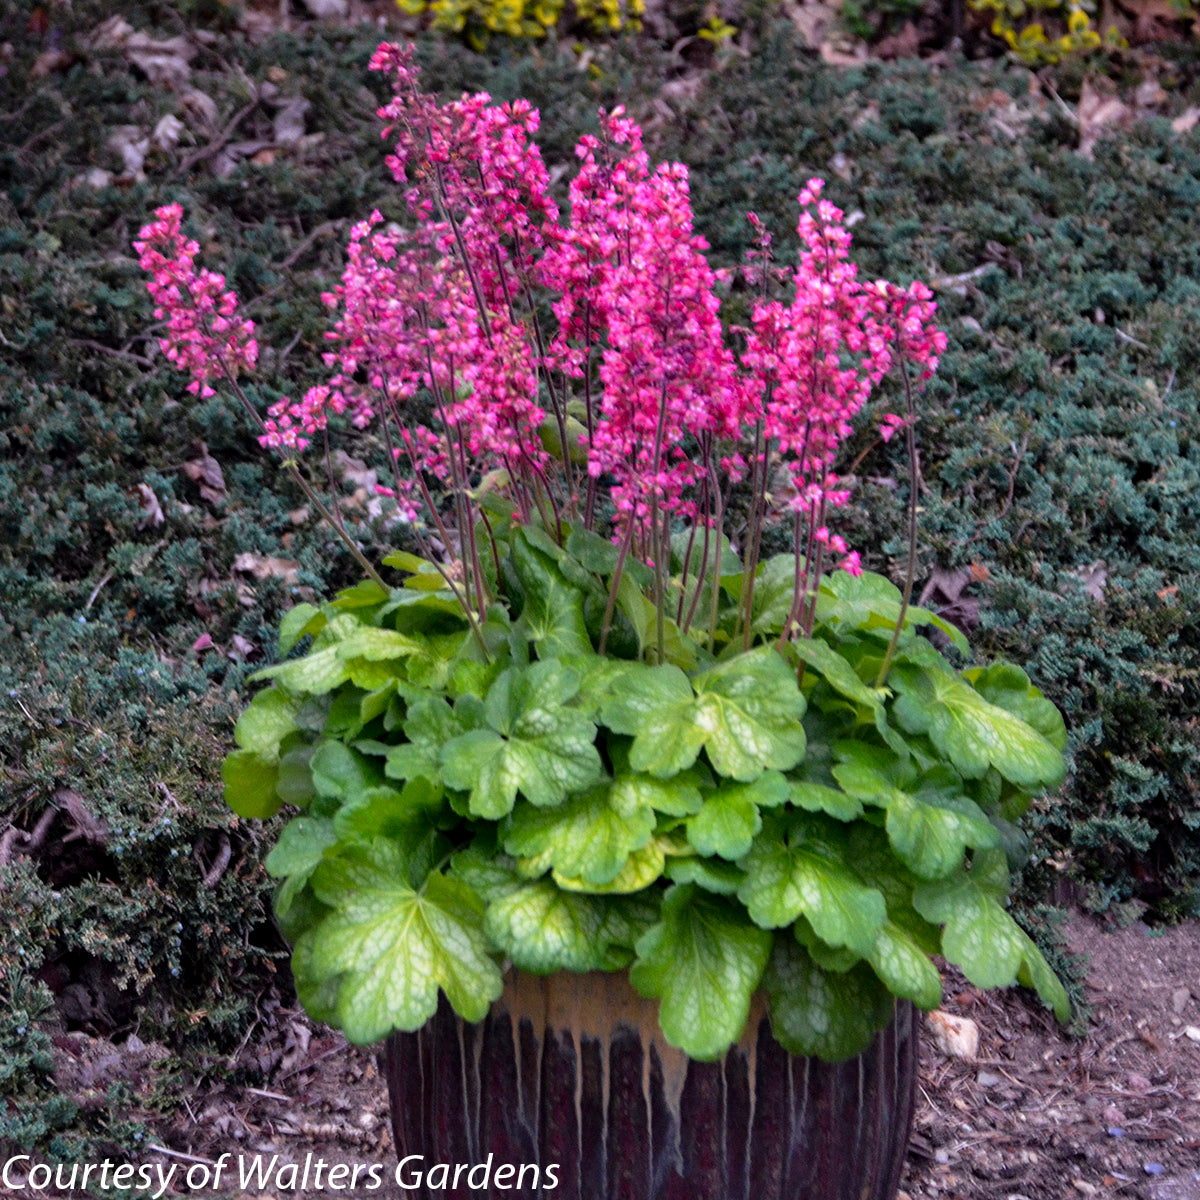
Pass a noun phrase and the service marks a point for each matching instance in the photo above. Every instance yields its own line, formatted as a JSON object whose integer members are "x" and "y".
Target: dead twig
{"x": 189, "y": 1158}
{"x": 219, "y": 864}
{"x": 312, "y": 1062}
{"x": 101, "y": 348}
{"x": 217, "y": 144}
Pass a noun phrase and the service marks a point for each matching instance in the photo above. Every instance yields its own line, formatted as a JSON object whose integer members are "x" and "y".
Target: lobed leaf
{"x": 798, "y": 875}
{"x": 587, "y": 837}
{"x": 970, "y": 731}
{"x": 703, "y": 962}
{"x": 394, "y": 947}
{"x": 830, "y": 1015}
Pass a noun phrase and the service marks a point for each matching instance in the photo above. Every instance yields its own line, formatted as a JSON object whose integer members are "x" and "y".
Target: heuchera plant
{"x": 583, "y": 733}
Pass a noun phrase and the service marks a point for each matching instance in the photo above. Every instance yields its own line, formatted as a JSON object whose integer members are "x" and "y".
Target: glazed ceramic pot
{"x": 568, "y": 1089}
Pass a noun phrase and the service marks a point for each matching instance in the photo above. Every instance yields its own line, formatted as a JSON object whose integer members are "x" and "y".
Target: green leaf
{"x": 250, "y": 784}
{"x": 1008, "y": 687}
{"x": 745, "y": 712}
{"x": 268, "y": 719}
{"x": 931, "y": 826}
{"x": 543, "y": 929}
{"x": 408, "y": 817}
{"x": 429, "y": 725}
{"x": 837, "y": 672}
{"x": 394, "y": 946}
{"x": 816, "y": 797}
{"x": 774, "y": 594}
{"x": 417, "y": 612}
{"x": 641, "y": 869}
{"x": 636, "y": 608}
{"x": 553, "y": 610}
{"x": 818, "y": 1013}
{"x": 1037, "y": 974}
{"x": 339, "y": 772}
{"x": 982, "y": 939}
{"x": 322, "y": 668}
{"x": 711, "y": 874}
{"x": 593, "y": 552}
{"x": 301, "y": 846}
{"x": 729, "y": 818}
{"x": 297, "y": 622}
{"x": 402, "y": 560}
{"x": 972, "y": 732}
{"x": 534, "y": 743}
{"x": 905, "y": 968}
{"x": 295, "y": 782}
{"x": 586, "y": 837}
{"x": 677, "y": 797}
{"x": 316, "y": 992}
{"x": 829, "y": 958}
{"x": 749, "y": 709}
{"x": 432, "y": 665}
{"x": 378, "y": 645}
{"x": 729, "y": 565}
{"x": 657, "y": 706}
{"x": 364, "y": 594}
{"x": 871, "y": 602}
{"x": 703, "y": 961}
{"x": 805, "y": 874}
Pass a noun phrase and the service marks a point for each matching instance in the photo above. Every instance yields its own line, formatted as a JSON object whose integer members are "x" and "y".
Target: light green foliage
{"x": 703, "y": 961}
{"x": 564, "y": 811}
{"x": 392, "y": 946}
{"x": 479, "y": 20}
{"x": 1064, "y": 29}
{"x": 533, "y": 744}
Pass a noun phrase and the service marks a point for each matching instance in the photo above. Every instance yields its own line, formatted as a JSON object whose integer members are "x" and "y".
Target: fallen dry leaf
{"x": 956, "y": 1037}
{"x": 1187, "y": 120}
{"x": 167, "y": 132}
{"x": 206, "y": 471}
{"x": 289, "y": 122}
{"x": 164, "y": 63}
{"x": 50, "y": 61}
{"x": 240, "y": 648}
{"x": 132, "y": 144}
{"x": 1098, "y": 112}
{"x": 152, "y": 513}
{"x": 263, "y": 566}
{"x": 1094, "y": 578}
{"x": 201, "y": 108}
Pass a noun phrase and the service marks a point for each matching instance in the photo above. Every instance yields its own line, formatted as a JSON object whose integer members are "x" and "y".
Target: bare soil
{"x": 1044, "y": 1116}
{"x": 1036, "y": 1115}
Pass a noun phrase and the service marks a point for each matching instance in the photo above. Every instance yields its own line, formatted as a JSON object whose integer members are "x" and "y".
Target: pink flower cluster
{"x": 635, "y": 286}
{"x": 205, "y": 337}
{"x": 815, "y": 361}
{"x": 448, "y": 313}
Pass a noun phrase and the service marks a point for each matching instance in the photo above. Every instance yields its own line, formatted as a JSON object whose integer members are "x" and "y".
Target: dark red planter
{"x": 569, "y": 1082}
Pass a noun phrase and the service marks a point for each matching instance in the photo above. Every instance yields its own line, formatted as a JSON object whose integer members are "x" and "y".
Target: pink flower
{"x": 445, "y": 316}
{"x": 205, "y": 337}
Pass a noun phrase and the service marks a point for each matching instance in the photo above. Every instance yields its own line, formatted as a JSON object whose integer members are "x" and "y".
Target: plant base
{"x": 572, "y": 1071}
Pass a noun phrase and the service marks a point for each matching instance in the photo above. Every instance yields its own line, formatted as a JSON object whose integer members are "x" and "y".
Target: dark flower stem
{"x": 913, "y": 485}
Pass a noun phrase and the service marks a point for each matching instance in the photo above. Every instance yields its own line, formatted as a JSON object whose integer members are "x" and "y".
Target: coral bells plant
{"x": 591, "y": 725}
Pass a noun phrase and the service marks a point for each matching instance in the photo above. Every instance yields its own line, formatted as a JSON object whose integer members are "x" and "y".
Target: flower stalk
{"x": 668, "y": 417}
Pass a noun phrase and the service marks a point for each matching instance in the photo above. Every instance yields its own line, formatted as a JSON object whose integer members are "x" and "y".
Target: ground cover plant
{"x": 1058, "y": 453}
